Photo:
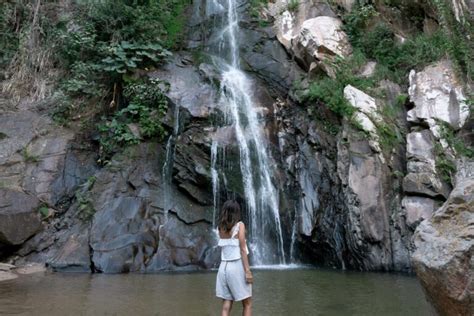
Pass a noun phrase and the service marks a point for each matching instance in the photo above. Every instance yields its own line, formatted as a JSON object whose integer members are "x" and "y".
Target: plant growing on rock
{"x": 140, "y": 119}
{"x": 28, "y": 156}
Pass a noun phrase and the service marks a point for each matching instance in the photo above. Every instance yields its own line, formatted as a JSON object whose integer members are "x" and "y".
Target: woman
{"x": 234, "y": 279}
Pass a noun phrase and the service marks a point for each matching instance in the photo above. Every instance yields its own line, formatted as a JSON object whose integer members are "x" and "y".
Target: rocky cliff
{"x": 354, "y": 181}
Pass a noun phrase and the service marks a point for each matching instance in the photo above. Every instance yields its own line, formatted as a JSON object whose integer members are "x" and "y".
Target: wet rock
{"x": 437, "y": 95}
{"x": 19, "y": 217}
{"x": 443, "y": 259}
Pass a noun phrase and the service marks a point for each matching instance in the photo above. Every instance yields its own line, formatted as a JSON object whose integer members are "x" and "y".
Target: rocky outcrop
{"x": 437, "y": 95}
{"x": 19, "y": 216}
{"x": 443, "y": 259}
{"x": 310, "y": 32}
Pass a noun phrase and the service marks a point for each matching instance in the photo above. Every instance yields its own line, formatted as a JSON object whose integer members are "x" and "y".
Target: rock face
{"x": 443, "y": 259}
{"x": 437, "y": 95}
{"x": 311, "y": 32}
{"x": 19, "y": 216}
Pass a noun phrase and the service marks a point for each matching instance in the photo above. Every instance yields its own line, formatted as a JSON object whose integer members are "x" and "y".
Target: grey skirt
{"x": 230, "y": 283}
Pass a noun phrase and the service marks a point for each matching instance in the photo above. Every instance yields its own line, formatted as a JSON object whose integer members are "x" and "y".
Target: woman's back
{"x": 230, "y": 247}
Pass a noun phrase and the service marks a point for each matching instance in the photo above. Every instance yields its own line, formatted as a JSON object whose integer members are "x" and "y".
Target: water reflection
{"x": 291, "y": 292}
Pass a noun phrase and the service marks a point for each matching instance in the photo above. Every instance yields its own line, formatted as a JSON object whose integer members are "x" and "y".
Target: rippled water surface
{"x": 280, "y": 292}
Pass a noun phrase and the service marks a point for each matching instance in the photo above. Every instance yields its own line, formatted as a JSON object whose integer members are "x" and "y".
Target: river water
{"x": 276, "y": 292}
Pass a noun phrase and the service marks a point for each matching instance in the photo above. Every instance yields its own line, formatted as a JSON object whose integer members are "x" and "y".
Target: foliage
{"x": 44, "y": 211}
{"x": 377, "y": 42}
{"x": 79, "y": 82}
{"x": 84, "y": 201}
{"x": 460, "y": 45}
{"x": 444, "y": 165}
{"x": 147, "y": 106}
{"x": 454, "y": 141}
{"x": 331, "y": 91}
{"x": 293, "y": 5}
{"x": 256, "y": 6}
{"x": 28, "y": 156}
{"x": 126, "y": 57}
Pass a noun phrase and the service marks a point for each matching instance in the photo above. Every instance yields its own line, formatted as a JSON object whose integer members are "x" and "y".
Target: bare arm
{"x": 243, "y": 253}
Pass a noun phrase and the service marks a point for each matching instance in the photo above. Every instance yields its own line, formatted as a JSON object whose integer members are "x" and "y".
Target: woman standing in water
{"x": 234, "y": 279}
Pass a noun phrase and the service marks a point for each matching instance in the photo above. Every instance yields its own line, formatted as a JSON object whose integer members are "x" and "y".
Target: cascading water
{"x": 261, "y": 197}
{"x": 167, "y": 170}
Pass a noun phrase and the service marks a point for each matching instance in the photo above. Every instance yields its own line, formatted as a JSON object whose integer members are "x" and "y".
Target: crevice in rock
{"x": 189, "y": 222}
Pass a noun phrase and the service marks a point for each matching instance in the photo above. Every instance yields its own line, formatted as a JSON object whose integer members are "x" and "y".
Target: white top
{"x": 230, "y": 247}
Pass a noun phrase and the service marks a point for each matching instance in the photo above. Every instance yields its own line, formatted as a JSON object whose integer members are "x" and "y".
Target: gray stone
{"x": 437, "y": 95}
{"x": 74, "y": 255}
{"x": 184, "y": 247}
{"x": 425, "y": 183}
{"x": 443, "y": 259}
{"x": 123, "y": 236}
{"x": 19, "y": 216}
{"x": 417, "y": 209}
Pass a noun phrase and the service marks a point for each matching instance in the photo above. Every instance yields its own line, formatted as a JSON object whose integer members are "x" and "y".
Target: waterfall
{"x": 293, "y": 237}
{"x": 215, "y": 182}
{"x": 167, "y": 170}
{"x": 261, "y": 196}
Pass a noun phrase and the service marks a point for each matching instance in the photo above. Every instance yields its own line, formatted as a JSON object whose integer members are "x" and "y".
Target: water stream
{"x": 237, "y": 101}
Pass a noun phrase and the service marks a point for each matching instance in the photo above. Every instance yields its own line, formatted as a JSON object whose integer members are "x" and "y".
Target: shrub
{"x": 147, "y": 106}
{"x": 331, "y": 91}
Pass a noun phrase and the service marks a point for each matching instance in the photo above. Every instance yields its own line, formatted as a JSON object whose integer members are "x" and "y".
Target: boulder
{"x": 425, "y": 184}
{"x": 437, "y": 95}
{"x": 417, "y": 209}
{"x": 366, "y": 114}
{"x": 123, "y": 236}
{"x": 185, "y": 247}
{"x": 320, "y": 40}
{"x": 189, "y": 88}
{"x": 420, "y": 152}
{"x": 74, "y": 255}
{"x": 288, "y": 21}
{"x": 19, "y": 216}
{"x": 443, "y": 259}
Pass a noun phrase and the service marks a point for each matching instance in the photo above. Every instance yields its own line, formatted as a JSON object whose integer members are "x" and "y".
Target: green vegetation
{"x": 293, "y": 5}
{"x": 85, "y": 208}
{"x": 377, "y": 42}
{"x": 330, "y": 91}
{"x": 460, "y": 45}
{"x": 444, "y": 165}
{"x": 455, "y": 142}
{"x": 373, "y": 38}
{"x": 141, "y": 119}
{"x": 44, "y": 211}
{"x": 28, "y": 156}
{"x": 103, "y": 49}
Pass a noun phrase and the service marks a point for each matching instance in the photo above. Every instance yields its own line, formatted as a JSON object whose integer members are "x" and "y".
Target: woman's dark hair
{"x": 229, "y": 215}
